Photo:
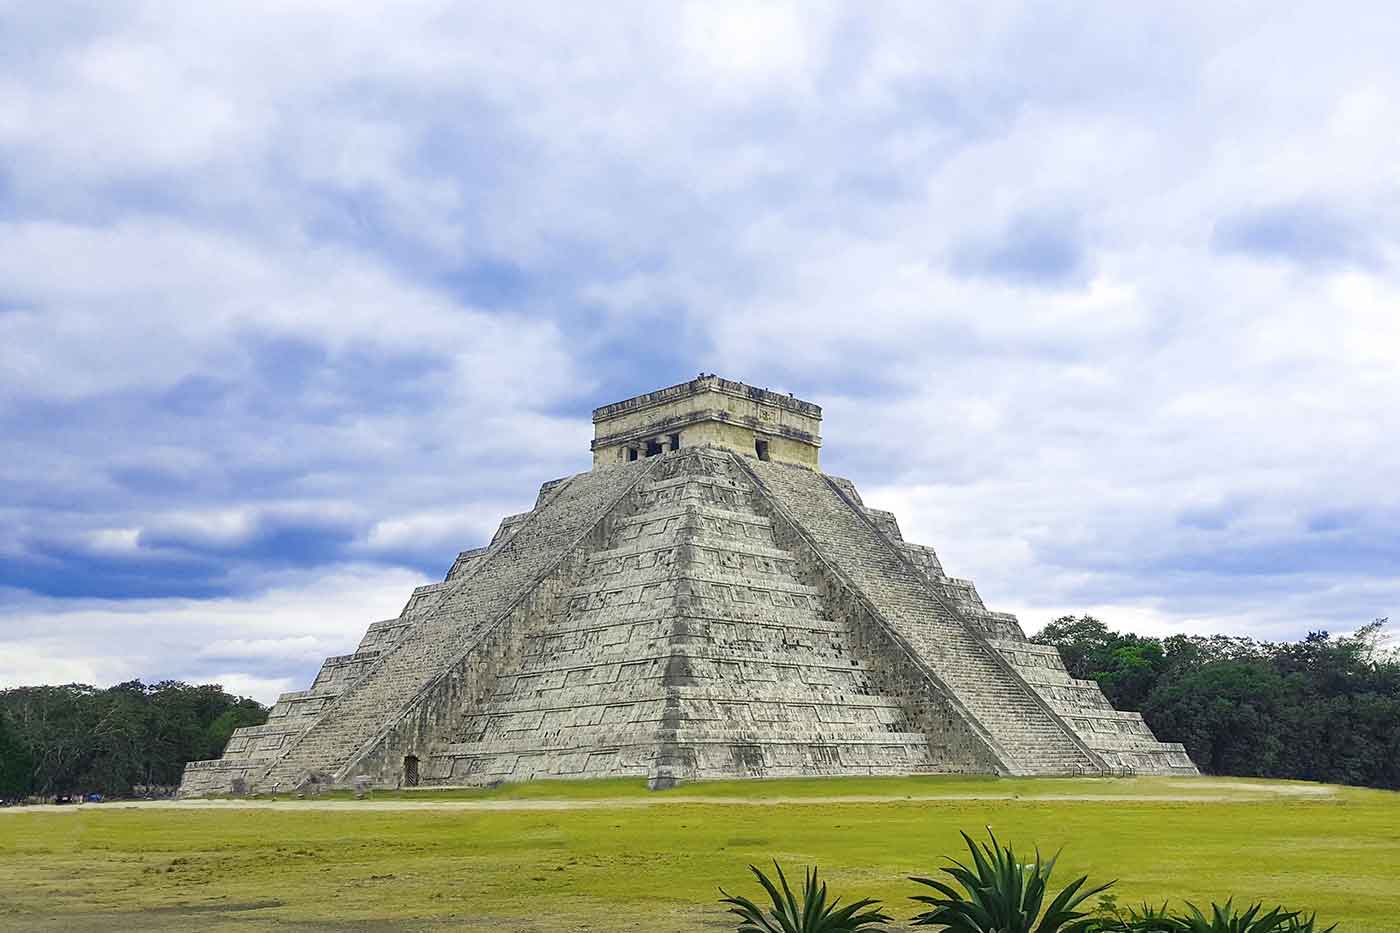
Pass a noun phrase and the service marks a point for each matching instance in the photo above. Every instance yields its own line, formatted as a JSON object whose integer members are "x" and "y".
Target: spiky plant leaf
{"x": 1146, "y": 919}
{"x": 1224, "y": 918}
{"x": 1001, "y": 894}
{"x": 1308, "y": 924}
{"x": 813, "y": 915}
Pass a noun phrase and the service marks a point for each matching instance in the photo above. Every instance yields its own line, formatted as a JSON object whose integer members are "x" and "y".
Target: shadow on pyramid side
{"x": 703, "y": 604}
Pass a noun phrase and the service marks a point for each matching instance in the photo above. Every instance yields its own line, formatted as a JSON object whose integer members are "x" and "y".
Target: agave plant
{"x": 812, "y": 915}
{"x": 1144, "y": 919}
{"x": 1146, "y": 915}
{"x": 1002, "y": 895}
{"x": 1224, "y": 918}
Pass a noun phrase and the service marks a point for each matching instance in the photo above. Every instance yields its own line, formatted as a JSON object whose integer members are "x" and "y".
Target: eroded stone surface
{"x": 699, "y": 612}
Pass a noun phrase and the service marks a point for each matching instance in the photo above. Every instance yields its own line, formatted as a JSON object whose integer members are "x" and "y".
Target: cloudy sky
{"x": 297, "y": 299}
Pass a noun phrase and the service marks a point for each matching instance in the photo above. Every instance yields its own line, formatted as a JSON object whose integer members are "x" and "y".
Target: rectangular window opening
{"x": 675, "y": 441}
{"x": 631, "y": 453}
{"x": 653, "y": 447}
{"x": 761, "y": 448}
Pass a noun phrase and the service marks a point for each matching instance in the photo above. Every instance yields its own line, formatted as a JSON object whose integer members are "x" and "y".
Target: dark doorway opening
{"x": 631, "y": 453}
{"x": 410, "y": 771}
{"x": 675, "y": 441}
{"x": 761, "y": 448}
{"x": 653, "y": 447}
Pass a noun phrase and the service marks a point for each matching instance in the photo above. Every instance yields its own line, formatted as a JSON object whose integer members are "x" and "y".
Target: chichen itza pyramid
{"x": 703, "y": 603}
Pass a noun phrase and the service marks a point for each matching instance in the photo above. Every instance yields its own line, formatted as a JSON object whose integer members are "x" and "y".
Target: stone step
{"x": 499, "y": 578}
{"x": 1002, "y": 704}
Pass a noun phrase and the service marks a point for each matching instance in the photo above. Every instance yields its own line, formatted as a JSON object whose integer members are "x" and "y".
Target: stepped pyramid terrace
{"x": 703, "y": 603}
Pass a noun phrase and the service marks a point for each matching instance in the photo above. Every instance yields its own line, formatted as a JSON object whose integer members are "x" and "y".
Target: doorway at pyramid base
{"x": 695, "y": 614}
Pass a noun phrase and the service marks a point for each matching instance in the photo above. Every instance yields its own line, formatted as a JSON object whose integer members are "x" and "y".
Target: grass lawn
{"x": 610, "y": 856}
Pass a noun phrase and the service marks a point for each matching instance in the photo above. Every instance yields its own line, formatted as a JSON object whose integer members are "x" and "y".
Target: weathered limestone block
{"x": 712, "y": 608}
{"x": 708, "y": 411}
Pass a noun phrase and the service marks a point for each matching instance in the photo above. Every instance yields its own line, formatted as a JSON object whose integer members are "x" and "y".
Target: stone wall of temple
{"x": 698, "y": 613}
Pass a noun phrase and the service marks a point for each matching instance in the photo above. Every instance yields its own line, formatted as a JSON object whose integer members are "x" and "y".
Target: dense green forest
{"x": 80, "y": 739}
{"x": 1321, "y": 709}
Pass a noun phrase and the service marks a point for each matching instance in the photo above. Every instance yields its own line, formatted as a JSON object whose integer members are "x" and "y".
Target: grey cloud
{"x": 369, "y": 281}
{"x": 1308, "y": 234}
{"x": 1031, "y": 250}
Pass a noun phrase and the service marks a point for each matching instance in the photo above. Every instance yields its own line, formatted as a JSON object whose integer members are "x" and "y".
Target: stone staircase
{"x": 1120, "y": 739}
{"x": 501, "y": 577}
{"x": 689, "y": 648}
{"x": 1027, "y": 735}
{"x": 251, "y": 750}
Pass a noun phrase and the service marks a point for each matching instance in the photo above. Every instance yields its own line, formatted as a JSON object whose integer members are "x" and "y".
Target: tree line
{"x": 81, "y": 739}
{"x": 1325, "y": 708}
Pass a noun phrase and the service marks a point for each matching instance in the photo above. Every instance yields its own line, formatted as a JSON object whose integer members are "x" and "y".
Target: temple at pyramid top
{"x": 704, "y": 603}
{"x": 708, "y": 411}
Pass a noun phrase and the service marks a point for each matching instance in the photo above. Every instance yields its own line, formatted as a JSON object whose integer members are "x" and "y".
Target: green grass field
{"x": 605, "y": 856}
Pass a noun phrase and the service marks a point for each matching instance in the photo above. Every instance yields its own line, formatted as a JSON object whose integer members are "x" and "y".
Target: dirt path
{"x": 1218, "y": 792}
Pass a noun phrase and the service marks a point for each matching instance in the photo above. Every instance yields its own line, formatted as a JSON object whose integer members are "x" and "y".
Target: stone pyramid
{"x": 703, "y": 603}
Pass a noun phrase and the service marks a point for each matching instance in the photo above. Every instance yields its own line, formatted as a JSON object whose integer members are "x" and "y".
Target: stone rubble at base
{"x": 703, "y": 604}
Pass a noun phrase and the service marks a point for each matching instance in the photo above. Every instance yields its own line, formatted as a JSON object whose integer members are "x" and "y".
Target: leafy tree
{"x": 1323, "y": 708}
{"x": 1083, "y": 643}
{"x": 80, "y": 738}
{"x": 16, "y": 767}
{"x": 1226, "y": 714}
{"x": 1130, "y": 671}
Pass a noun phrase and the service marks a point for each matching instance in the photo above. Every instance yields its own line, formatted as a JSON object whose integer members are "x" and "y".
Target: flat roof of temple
{"x": 706, "y": 383}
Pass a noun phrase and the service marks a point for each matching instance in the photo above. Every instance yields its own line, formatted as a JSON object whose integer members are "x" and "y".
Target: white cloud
{"x": 1102, "y": 306}
{"x": 442, "y": 528}
{"x": 276, "y": 637}
{"x": 295, "y": 648}
{"x": 263, "y": 689}
{"x": 115, "y": 540}
{"x": 160, "y": 290}
{"x": 53, "y": 661}
{"x": 743, "y": 49}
